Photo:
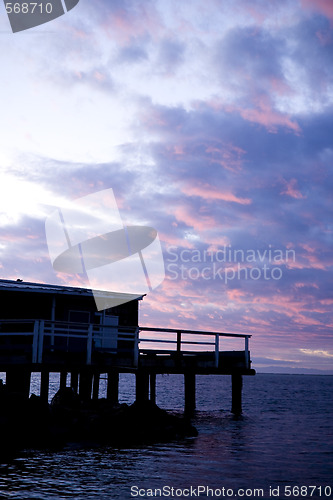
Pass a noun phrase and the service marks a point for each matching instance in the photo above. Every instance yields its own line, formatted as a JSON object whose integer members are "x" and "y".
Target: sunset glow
{"x": 212, "y": 123}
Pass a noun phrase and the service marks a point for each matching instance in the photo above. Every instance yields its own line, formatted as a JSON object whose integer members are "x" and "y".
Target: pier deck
{"x": 87, "y": 350}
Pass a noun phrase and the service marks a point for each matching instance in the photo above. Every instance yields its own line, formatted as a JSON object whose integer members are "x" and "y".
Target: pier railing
{"x": 180, "y": 339}
{"x": 35, "y": 338}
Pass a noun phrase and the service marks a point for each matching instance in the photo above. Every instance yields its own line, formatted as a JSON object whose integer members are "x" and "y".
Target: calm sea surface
{"x": 283, "y": 441}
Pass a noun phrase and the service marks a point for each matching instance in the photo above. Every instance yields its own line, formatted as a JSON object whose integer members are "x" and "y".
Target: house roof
{"x": 26, "y": 286}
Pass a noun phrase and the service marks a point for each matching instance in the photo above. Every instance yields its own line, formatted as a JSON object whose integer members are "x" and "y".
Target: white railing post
{"x": 89, "y": 343}
{"x": 217, "y": 350}
{"x": 41, "y": 341}
{"x": 136, "y": 349}
{"x": 35, "y": 342}
{"x": 247, "y": 352}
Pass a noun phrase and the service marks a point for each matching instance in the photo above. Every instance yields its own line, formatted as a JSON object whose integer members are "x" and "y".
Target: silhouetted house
{"x": 61, "y": 318}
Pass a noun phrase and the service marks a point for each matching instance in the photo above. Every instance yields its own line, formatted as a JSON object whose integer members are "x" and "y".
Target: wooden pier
{"x": 77, "y": 348}
{"x": 71, "y": 337}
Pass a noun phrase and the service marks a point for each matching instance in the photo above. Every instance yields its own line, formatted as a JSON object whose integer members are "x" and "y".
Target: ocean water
{"x": 281, "y": 447}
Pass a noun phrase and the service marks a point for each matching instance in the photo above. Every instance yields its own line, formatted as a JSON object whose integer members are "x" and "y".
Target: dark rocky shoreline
{"x": 32, "y": 423}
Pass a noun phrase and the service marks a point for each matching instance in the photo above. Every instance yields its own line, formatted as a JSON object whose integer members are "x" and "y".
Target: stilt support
{"x": 63, "y": 380}
{"x": 18, "y": 382}
{"x": 236, "y": 389}
{"x": 44, "y": 385}
{"x": 112, "y": 393}
{"x": 142, "y": 386}
{"x": 153, "y": 387}
{"x": 96, "y": 386}
{"x": 74, "y": 381}
{"x": 85, "y": 386}
{"x": 189, "y": 379}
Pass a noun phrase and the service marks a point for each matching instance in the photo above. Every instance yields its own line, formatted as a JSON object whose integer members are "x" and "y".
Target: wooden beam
{"x": 74, "y": 381}
{"x": 85, "y": 386}
{"x": 142, "y": 386}
{"x": 18, "y": 382}
{"x": 236, "y": 389}
{"x": 96, "y": 386}
{"x": 44, "y": 385}
{"x": 63, "y": 379}
{"x": 189, "y": 379}
{"x": 152, "y": 378}
{"x": 112, "y": 393}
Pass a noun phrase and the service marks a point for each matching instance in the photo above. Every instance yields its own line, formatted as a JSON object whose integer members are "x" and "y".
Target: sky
{"x": 212, "y": 122}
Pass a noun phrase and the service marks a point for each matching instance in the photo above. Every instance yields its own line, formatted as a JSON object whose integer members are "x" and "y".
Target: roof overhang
{"x": 25, "y": 286}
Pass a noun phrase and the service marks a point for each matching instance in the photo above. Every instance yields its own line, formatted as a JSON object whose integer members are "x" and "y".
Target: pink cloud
{"x": 308, "y": 247}
{"x": 309, "y": 258}
{"x": 280, "y": 87}
{"x": 323, "y": 6}
{"x": 316, "y": 263}
{"x": 194, "y": 219}
{"x": 181, "y": 288}
{"x": 170, "y": 240}
{"x": 211, "y": 193}
{"x": 305, "y": 320}
{"x": 297, "y": 265}
{"x": 227, "y": 155}
{"x": 155, "y": 117}
{"x": 328, "y": 302}
{"x": 306, "y": 285}
{"x": 256, "y": 321}
{"x": 237, "y": 295}
{"x": 278, "y": 303}
{"x": 266, "y": 116}
{"x": 12, "y": 238}
{"x": 216, "y": 243}
{"x": 262, "y": 113}
{"x": 138, "y": 20}
{"x": 324, "y": 37}
{"x": 73, "y": 280}
{"x": 77, "y": 33}
{"x": 256, "y": 14}
{"x": 294, "y": 309}
{"x": 178, "y": 150}
{"x": 291, "y": 189}
{"x": 176, "y": 304}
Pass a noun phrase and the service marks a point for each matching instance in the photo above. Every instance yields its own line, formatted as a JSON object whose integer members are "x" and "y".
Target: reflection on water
{"x": 284, "y": 437}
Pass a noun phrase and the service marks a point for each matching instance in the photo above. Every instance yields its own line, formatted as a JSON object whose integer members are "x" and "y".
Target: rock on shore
{"x": 34, "y": 424}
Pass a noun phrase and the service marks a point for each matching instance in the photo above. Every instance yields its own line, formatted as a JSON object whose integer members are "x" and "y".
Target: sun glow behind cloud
{"x": 19, "y": 197}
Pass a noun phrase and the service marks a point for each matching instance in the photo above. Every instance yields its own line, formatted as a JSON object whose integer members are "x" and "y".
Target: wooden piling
{"x": 18, "y": 382}
{"x": 63, "y": 380}
{"x": 152, "y": 379}
{"x": 74, "y": 381}
{"x": 85, "y": 385}
{"x": 112, "y": 392}
{"x": 189, "y": 379}
{"x": 44, "y": 385}
{"x": 142, "y": 386}
{"x": 236, "y": 390}
{"x": 96, "y": 386}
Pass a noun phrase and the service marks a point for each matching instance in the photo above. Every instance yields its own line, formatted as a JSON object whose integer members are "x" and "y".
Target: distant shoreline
{"x": 320, "y": 374}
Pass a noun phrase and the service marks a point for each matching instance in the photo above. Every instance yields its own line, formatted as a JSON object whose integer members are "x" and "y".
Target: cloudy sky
{"x": 212, "y": 122}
